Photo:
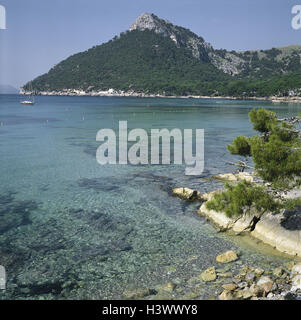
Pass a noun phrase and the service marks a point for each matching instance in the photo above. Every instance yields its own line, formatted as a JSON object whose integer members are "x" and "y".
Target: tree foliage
{"x": 276, "y": 152}
{"x": 145, "y": 61}
{"x": 242, "y": 198}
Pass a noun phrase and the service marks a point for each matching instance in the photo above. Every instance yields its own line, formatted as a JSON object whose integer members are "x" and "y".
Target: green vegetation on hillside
{"x": 148, "y": 62}
{"x": 139, "y": 61}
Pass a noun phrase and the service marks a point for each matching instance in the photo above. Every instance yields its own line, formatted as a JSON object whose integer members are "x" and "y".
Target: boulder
{"x": 209, "y": 274}
{"x": 245, "y": 176}
{"x": 227, "y": 257}
{"x": 296, "y": 283}
{"x": 259, "y": 271}
{"x": 296, "y": 269}
{"x": 187, "y": 194}
{"x": 230, "y": 177}
{"x": 266, "y": 284}
{"x": 226, "y": 295}
{"x": 230, "y": 286}
{"x": 278, "y": 272}
{"x": 256, "y": 290}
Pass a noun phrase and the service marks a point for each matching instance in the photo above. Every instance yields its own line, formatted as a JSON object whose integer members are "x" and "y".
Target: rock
{"x": 226, "y": 295}
{"x": 296, "y": 269}
{"x": 271, "y": 230}
{"x": 289, "y": 265}
{"x": 170, "y": 269}
{"x": 138, "y": 293}
{"x": 167, "y": 287}
{"x": 208, "y": 196}
{"x": 244, "y": 294}
{"x": 209, "y": 275}
{"x": 296, "y": 283}
{"x": 256, "y": 290}
{"x": 225, "y": 275}
{"x": 230, "y": 177}
{"x": 187, "y": 194}
{"x": 245, "y": 176}
{"x": 242, "y": 284}
{"x": 226, "y": 177}
{"x": 191, "y": 295}
{"x": 278, "y": 272}
{"x": 227, "y": 257}
{"x": 250, "y": 277}
{"x": 266, "y": 284}
{"x": 230, "y": 286}
{"x": 259, "y": 271}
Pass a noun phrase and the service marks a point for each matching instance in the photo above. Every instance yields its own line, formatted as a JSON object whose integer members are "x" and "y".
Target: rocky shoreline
{"x": 120, "y": 93}
{"x": 281, "y": 230}
{"x": 275, "y": 230}
{"x": 232, "y": 281}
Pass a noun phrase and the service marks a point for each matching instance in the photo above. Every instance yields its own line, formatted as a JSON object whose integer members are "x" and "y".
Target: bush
{"x": 242, "y": 198}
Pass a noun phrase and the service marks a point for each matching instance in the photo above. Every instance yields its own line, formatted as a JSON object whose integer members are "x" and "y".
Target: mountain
{"x": 7, "y": 89}
{"x": 155, "y": 56}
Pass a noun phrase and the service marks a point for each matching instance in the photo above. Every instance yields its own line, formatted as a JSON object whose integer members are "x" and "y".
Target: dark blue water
{"x": 71, "y": 228}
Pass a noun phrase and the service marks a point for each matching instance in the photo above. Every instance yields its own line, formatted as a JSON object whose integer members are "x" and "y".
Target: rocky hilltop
{"x": 229, "y": 63}
{"x": 156, "y": 57}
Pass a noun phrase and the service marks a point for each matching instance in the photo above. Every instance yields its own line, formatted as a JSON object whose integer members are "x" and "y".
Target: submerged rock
{"x": 230, "y": 286}
{"x": 209, "y": 274}
{"x": 227, "y": 257}
{"x": 138, "y": 293}
{"x": 167, "y": 287}
{"x": 243, "y": 294}
{"x": 226, "y": 295}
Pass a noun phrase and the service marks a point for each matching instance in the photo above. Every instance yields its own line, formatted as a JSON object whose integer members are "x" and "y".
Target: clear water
{"x": 72, "y": 229}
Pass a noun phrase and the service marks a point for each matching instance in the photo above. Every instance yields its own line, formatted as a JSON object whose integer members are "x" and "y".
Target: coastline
{"x": 119, "y": 93}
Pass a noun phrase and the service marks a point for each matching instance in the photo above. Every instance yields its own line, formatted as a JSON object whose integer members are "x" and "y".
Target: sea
{"x": 71, "y": 228}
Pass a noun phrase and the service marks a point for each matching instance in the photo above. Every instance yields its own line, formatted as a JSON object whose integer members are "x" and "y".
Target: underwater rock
{"x": 209, "y": 274}
{"x": 230, "y": 286}
{"x": 226, "y": 295}
{"x": 138, "y": 293}
{"x": 13, "y": 213}
{"x": 227, "y": 257}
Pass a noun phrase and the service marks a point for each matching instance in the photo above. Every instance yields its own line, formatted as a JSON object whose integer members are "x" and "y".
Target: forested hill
{"x": 155, "y": 56}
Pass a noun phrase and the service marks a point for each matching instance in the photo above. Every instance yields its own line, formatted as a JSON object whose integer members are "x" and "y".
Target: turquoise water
{"x": 73, "y": 229}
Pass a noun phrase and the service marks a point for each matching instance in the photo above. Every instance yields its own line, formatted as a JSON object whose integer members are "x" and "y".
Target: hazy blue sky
{"x": 40, "y": 33}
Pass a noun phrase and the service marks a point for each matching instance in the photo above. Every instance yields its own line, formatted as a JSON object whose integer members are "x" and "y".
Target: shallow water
{"x": 72, "y": 229}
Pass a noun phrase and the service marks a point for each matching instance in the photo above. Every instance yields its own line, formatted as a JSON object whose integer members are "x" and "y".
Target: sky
{"x": 41, "y": 33}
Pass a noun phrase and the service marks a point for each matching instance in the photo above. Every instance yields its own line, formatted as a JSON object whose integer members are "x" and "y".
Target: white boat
{"x": 30, "y": 101}
{"x": 27, "y": 102}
